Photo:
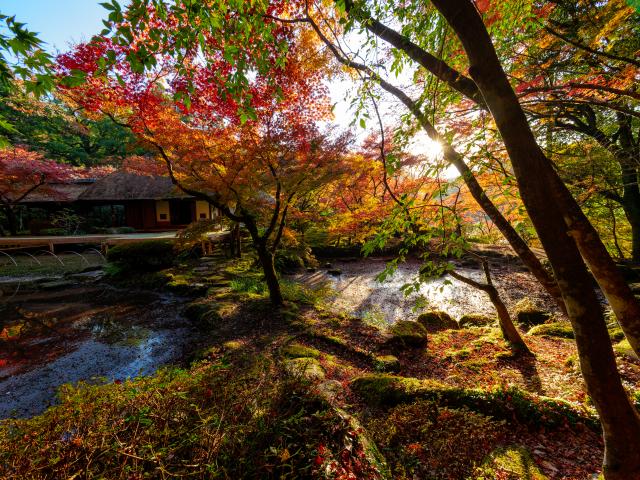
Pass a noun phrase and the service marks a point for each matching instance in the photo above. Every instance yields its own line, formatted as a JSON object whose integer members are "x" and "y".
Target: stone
{"x": 555, "y": 329}
{"x": 89, "y": 276}
{"x": 437, "y": 320}
{"x": 408, "y": 334}
{"x": 531, "y": 318}
{"x": 513, "y": 459}
{"x": 476, "y": 320}
{"x": 624, "y": 349}
{"x": 330, "y": 389}
{"x": 297, "y": 350}
{"x": 387, "y": 363}
{"x": 57, "y": 285}
{"x": 307, "y": 368}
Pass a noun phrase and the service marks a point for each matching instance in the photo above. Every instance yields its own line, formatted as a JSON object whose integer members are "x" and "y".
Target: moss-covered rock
{"x": 387, "y": 363}
{"x": 510, "y": 463}
{"x": 624, "y": 349}
{"x": 555, "y": 329}
{"x": 385, "y": 390}
{"x": 616, "y": 334}
{"x": 531, "y": 318}
{"x": 204, "y": 315}
{"x": 232, "y": 346}
{"x": 476, "y": 320}
{"x": 304, "y": 367}
{"x": 408, "y": 334}
{"x": 297, "y": 350}
{"x": 437, "y": 320}
{"x": 381, "y": 390}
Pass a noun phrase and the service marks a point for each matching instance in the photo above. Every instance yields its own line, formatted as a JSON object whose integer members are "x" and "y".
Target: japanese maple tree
{"x": 21, "y": 173}
{"x": 253, "y": 154}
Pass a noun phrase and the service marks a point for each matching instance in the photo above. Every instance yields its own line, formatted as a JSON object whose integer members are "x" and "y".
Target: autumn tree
{"x": 579, "y": 83}
{"x": 21, "y": 173}
{"x": 252, "y": 157}
{"x": 564, "y": 231}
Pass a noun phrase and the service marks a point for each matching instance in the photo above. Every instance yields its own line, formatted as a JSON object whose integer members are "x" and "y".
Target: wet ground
{"x": 359, "y": 293}
{"x": 94, "y": 333}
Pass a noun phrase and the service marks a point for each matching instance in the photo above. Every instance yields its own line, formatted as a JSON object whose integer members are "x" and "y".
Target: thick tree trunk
{"x": 530, "y": 260}
{"x": 539, "y": 188}
{"x": 270, "y": 276}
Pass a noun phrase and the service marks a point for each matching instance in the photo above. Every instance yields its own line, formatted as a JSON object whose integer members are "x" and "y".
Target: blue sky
{"x": 58, "y": 22}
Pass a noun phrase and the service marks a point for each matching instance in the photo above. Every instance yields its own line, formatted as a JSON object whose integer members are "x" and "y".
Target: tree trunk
{"x": 521, "y": 248}
{"x": 539, "y": 187}
{"x": 270, "y": 276}
{"x": 630, "y": 203}
{"x": 12, "y": 221}
{"x": 509, "y": 330}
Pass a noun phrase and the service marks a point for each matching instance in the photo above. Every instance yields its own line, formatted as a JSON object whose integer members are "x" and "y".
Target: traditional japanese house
{"x": 124, "y": 199}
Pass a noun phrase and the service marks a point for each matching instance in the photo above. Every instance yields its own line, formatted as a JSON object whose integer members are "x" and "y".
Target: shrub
{"x": 287, "y": 261}
{"x": 53, "y": 232}
{"x": 147, "y": 256}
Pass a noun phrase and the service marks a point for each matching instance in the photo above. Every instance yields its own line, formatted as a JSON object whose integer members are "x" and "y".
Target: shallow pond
{"x": 358, "y": 292}
{"x": 93, "y": 334}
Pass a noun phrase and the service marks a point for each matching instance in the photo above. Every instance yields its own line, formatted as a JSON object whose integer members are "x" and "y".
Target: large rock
{"x": 476, "y": 320}
{"x": 531, "y": 318}
{"x": 408, "y": 334}
{"x": 555, "y": 329}
{"x": 304, "y": 367}
{"x": 297, "y": 350}
{"x": 437, "y": 320}
{"x": 387, "y": 363}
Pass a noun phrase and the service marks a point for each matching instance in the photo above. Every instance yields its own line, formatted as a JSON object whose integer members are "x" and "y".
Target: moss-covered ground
{"x": 303, "y": 392}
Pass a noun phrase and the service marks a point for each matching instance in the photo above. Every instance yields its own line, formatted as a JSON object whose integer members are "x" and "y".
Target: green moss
{"x": 459, "y": 354}
{"x": 232, "y": 346}
{"x": 297, "y": 350}
{"x": 556, "y": 329}
{"x": 616, "y": 334}
{"x": 205, "y": 315}
{"x": 476, "y": 320}
{"x": 437, "y": 320}
{"x": 624, "y": 349}
{"x": 509, "y": 463}
{"x": 389, "y": 390}
{"x": 387, "y": 363}
{"x": 408, "y": 333}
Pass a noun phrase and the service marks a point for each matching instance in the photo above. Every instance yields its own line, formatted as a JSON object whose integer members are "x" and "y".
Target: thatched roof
{"x": 57, "y": 192}
{"x": 131, "y": 186}
{"x": 115, "y": 187}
